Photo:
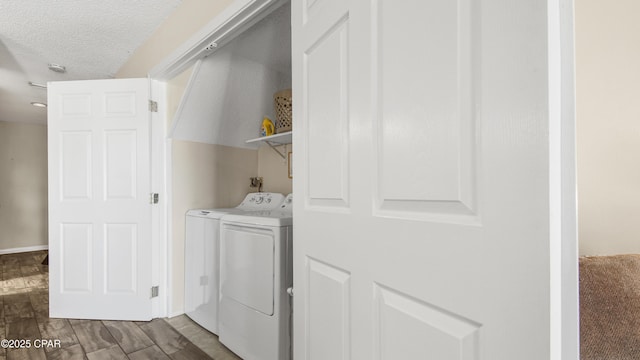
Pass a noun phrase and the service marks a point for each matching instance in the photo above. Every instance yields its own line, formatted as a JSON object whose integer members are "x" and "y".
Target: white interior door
{"x": 99, "y": 210}
{"x": 422, "y": 173}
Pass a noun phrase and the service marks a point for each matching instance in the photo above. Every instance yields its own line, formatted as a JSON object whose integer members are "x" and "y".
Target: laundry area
{"x": 234, "y": 114}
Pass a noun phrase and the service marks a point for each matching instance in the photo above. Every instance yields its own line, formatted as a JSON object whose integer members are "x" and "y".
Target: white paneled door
{"x": 99, "y": 209}
{"x": 423, "y": 181}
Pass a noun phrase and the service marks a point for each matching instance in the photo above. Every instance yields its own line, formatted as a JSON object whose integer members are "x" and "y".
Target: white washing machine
{"x": 255, "y": 273}
{"x": 202, "y": 256}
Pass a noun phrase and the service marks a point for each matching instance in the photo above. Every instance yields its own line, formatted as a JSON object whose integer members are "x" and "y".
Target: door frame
{"x": 160, "y": 213}
{"x": 564, "y": 302}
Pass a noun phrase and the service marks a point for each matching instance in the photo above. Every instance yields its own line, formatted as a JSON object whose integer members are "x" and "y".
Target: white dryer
{"x": 202, "y": 256}
{"x": 255, "y": 273}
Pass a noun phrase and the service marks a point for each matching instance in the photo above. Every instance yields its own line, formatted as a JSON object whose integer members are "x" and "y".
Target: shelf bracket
{"x": 273, "y": 147}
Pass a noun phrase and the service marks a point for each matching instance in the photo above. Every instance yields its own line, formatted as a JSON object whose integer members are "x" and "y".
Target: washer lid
{"x": 264, "y": 218}
{"x": 212, "y": 213}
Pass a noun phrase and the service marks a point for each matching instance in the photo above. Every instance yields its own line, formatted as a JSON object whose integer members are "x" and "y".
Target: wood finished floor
{"x": 24, "y": 314}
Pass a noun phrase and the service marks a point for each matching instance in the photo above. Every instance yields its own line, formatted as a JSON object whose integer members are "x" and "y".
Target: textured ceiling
{"x": 91, "y": 38}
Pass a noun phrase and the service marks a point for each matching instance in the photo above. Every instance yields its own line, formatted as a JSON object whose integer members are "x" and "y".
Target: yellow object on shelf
{"x": 267, "y": 128}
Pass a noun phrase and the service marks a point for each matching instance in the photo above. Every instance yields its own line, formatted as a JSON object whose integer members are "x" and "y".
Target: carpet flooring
{"x": 610, "y": 307}
{"x": 24, "y": 315}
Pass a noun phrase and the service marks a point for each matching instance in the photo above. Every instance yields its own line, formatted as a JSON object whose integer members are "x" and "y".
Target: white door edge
{"x": 168, "y": 228}
{"x": 161, "y": 251}
{"x": 564, "y": 302}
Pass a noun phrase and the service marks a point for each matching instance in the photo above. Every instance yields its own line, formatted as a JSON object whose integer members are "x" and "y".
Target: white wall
{"x": 188, "y": 18}
{"x": 608, "y": 125}
{"x": 23, "y": 186}
{"x": 274, "y": 169}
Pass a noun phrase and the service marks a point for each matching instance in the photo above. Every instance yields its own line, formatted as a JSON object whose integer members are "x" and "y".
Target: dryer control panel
{"x": 261, "y": 201}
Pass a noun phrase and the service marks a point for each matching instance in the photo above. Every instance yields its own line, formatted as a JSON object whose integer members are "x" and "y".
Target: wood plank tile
{"x": 190, "y": 352}
{"x": 11, "y": 273}
{"x": 128, "y": 335}
{"x": 10, "y": 261}
{"x": 31, "y": 269}
{"x": 179, "y": 322}
{"x": 17, "y": 311}
{"x": 221, "y": 352}
{"x": 150, "y": 353}
{"x": 26, "y": 354}
{"x": 189, "y": 328}
{"x": 3, "y": 351}
{"x": 165, "y": 336}
{"x": 57, "y": 329}
{"x": 41, "y": 313}
{"x": 39, "y": 298}
{"x": 74, "y": 352}
{"x": 93, "y": 335}
{"x": 113, "y": 352}
{"x": 36, "y": 281}
{"x": 28, "y": 259}
{"x": 23, "y": 330}
{"x": 17, "y": 297}
{"x": 200, "y": 337}
{"x": 40, "y": 302}
{"x": 1, "y": 310}
{"x": 13, "y": 283}
{"x": 78, "y": 321}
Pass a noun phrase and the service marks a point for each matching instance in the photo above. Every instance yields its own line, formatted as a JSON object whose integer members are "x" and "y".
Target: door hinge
{"x": 154, "y": 198}
{"x": 154, "y": 291}
{"x": 153, "y": 106}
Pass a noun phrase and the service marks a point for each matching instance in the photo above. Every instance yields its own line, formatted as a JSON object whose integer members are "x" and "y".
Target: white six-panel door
{"x": 421, "y": 179}
{"x": 99, "y": 210}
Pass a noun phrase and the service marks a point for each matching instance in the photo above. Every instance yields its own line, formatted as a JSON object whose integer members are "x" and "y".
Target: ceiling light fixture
{"x": 39, "y": 104}
{"x": 57, "y": 68}
{"x": 43, "y": 86}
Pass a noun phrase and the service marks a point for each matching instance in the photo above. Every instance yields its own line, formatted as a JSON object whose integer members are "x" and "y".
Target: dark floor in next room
{"x": 24, "y": 314}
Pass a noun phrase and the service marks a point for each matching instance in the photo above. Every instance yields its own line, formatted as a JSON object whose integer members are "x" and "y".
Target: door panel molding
{"x": 120, "y": 164}
{"x": 328, "y": 311}
{"x": 76, "y": 253}
{"x": 120, "y": 258}
{"x": 327, "y": 121}
{"x": 75, "y": 166}
{"x": 437, "y": 333}
{"x": 428, "y": 173}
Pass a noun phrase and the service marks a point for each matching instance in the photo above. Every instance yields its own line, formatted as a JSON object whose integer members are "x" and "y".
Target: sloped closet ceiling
{"x": 232, "y": 89}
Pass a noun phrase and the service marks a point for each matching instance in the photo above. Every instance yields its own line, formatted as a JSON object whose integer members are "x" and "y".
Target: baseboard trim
{"x": 24, "y": 249}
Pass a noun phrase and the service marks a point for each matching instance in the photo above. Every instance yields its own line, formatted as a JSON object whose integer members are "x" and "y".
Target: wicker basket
{"x": 282, "y": 107}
